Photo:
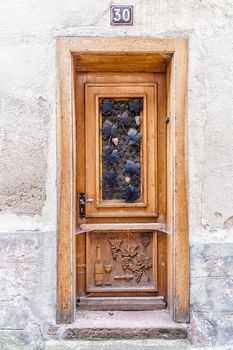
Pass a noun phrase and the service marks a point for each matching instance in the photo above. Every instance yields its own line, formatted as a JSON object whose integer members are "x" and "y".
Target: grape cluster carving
{"x": 132, "y": 259}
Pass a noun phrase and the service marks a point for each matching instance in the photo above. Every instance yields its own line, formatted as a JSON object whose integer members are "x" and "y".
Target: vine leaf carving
{"x": 144, "y": 262}
{"x": 124, "y": 119}
{"x": 132, "y": 168}
{"x": 109, "y": 129}
{"x": 135, "y": 106}
{"x": 110, "y": 155}
{"x": 115, "y": 246}
{"x": 129, "y": 250}
{"x": 106, "y": 106}
{"x": 125, "y": 263}
{"x": 131, "y": 259}
{"x": 133, "y": 136}
{"x": 130, "y": 194}
{"x": 110, "y": 180}
{"x": 145, "y": 239}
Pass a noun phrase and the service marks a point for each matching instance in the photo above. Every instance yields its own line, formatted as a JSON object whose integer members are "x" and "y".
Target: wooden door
{"x": 121, "y": 168}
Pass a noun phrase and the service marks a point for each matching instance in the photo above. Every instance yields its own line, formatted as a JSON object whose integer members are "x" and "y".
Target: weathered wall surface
{"x": 28, "y": 148}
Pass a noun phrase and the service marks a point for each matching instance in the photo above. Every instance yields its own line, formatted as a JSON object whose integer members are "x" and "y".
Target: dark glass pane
{"x": 121, "y": 148}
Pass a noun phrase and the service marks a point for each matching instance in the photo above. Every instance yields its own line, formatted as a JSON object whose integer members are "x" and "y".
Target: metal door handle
{"x": 90, "y": 200}
{"x": 82, "y": 204}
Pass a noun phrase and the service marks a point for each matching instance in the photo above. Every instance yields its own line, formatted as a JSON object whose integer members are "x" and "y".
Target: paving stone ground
{"x": 127, "y": 345}
{"x": 7, "y": 343}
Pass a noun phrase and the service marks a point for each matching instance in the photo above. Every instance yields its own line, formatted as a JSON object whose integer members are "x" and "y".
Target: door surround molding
{"x": 171, "y": 56}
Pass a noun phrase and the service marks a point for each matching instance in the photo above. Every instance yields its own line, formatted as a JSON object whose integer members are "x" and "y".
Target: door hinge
{"x": 167, "y": 119}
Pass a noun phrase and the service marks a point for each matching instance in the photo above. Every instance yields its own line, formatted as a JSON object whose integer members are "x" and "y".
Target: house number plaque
{"x": 121, "y": 15}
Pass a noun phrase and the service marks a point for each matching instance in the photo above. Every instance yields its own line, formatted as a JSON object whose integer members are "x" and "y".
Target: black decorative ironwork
{"x": 121, "y": 148}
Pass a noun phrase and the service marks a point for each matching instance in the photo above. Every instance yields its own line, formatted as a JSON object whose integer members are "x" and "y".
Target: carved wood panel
{"x": 121, "y": 261}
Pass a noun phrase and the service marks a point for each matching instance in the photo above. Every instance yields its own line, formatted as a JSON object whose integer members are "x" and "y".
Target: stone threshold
{"x": 121, "y": 303}
{"x": 154, "y": 324}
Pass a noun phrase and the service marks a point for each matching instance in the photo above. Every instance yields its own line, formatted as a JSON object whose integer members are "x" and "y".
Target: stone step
{"x": 153, "y": 324}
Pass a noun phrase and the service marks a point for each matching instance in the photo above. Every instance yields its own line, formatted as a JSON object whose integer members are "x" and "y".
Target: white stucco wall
{"x": 28, "y": 102}
{"x": 28, "y": 116}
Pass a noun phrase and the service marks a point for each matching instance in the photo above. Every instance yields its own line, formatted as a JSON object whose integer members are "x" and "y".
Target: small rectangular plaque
{"x": 121, "y": 15}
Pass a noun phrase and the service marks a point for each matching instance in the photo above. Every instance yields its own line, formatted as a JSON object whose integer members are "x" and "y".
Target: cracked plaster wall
{"x": 28, "y": 133}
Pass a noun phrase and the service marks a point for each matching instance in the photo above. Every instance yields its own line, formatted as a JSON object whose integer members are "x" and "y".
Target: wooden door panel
{"x": 145, "y": 204}
{"x": 84, "y": 262}
{"x": 121, "y": 262}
